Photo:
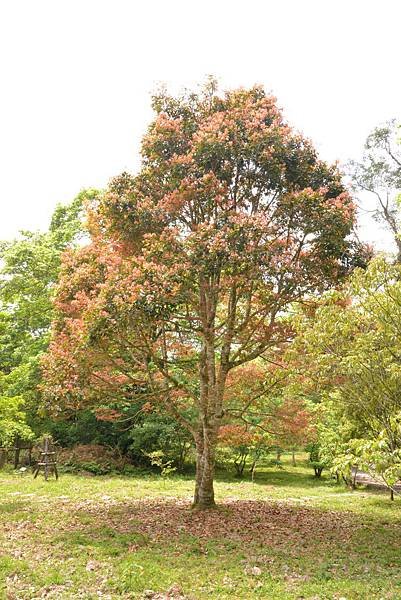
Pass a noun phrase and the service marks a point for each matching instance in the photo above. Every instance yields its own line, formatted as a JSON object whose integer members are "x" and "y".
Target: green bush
{"x": 159, "y": 433}
{"x": 92, "y": 458}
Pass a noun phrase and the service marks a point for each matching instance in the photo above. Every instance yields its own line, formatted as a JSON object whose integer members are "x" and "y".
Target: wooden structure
{"x": 19, "y": 446}
{"x": 47, "y": 460}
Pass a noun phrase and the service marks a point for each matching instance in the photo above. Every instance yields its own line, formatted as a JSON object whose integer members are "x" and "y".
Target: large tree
{"x": 195, "y": 262}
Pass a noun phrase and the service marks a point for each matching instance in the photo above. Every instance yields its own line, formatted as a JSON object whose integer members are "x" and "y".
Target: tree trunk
{"x": 205, "y": 459}
{"x": 212, "y": 384}
{"x": 294, "y": 464}
{"x": 199, "y": 469}
{"x": 252, "y": 471}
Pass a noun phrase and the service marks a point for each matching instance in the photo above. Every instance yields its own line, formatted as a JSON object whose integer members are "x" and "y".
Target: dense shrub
{"x": 86, "y": 429}
{"x": 316, "y": 460}
{"x": 159, "y": 433}
{"x": 92, "y": 458}
{"x": 149, "y": 432}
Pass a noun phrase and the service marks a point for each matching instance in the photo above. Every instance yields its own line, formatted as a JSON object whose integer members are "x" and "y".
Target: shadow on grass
{"x": 279, "y": 477}
{"x": 108, "y": 541}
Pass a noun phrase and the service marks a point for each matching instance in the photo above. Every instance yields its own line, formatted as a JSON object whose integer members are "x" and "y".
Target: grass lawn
{"x": 287, "y": 535}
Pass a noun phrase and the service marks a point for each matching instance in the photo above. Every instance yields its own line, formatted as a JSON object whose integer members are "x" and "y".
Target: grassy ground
{"x": 288, "y": 535}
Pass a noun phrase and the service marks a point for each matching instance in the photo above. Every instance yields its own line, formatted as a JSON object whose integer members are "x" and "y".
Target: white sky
{"x": 76, "y": 78}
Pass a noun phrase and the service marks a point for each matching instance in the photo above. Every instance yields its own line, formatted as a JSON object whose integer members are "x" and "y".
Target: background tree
{"x": 380, "y": 457}
{"x": 293, "y": 425}
{"x": 13, "y": 421}
{"x": 348, "y": 352}
{"x": 29, "y": 270}
{"x": 195, "y": 262}
{"x": 243, "y": 446}
{"x": 379, "y": 174}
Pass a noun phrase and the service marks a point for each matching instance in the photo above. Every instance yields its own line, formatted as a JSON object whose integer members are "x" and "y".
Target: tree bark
{"x": 199, "y": 469}
{"x": 212, "y": 383}
{"x": 205, "y": 464}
